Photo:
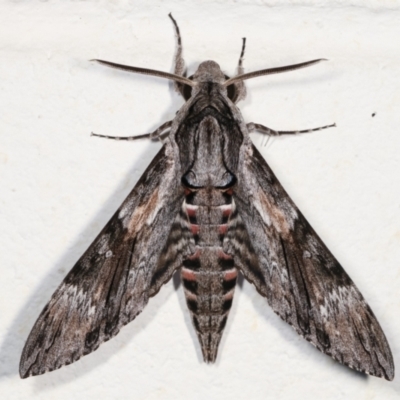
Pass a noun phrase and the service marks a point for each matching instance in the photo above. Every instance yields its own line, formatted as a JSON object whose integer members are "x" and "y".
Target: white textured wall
{"x": 59, "y": 186}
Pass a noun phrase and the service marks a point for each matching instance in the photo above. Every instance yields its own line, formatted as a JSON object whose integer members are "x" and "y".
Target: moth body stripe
{"x": 230, "y": 274}
{"x": 227, "y": 304}
{"x": 223, "y": 256}
{"x": 192, "y": 305}
{"x": 222, "y": 229}
{"x": 229, "y": 295}
{"x": 191, "y": 286}
{"x": 228, "y": 285}
{"x": 188, "y": 274}
{"x": 191, "y": 263}
{"x": 225, "y": 263}
{"x": 195, "y": 229}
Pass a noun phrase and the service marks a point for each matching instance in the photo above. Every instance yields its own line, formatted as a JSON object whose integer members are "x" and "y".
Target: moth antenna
{"x": 178, "y": 34}
{"x": 179, "y": 68}
{"x": 240, "y": 88}
{"x": 179, "y": 62}
{"x": 147, "y": 71}
{"x": 271, "y": 71}
{"x": 240, "y": 66}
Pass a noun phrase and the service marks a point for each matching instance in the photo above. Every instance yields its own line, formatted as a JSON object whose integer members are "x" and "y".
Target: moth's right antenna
{"x": 179, "y": 67}
{"x": 240, "y": 87}
{"x": 240, "y": 66}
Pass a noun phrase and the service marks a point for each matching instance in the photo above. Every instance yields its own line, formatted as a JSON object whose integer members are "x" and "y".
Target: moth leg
{"x": 240, "y": 86}
{"x": 252, "y": 127}
{"x": 179, "y": 62}
{"x": 156, "y": 135}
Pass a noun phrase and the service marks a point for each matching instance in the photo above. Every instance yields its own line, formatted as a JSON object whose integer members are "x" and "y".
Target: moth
{"x": 209, "y": 206}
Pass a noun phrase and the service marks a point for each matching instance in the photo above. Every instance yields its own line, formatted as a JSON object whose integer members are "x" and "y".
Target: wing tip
{"x": 23, "y": 374}
{"x": 386, "y": 372}
{"x": 378, "y": 372}
{"x": 27, "y": 369}
{"x": 26, "y": 372}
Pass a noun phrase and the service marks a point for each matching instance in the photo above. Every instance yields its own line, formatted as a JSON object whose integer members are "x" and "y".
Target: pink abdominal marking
{"x": 229, "y": 275}
{"x": 188, "y": 274}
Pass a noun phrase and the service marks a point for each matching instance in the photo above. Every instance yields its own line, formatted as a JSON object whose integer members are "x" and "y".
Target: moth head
{"x": 209, "y": 72}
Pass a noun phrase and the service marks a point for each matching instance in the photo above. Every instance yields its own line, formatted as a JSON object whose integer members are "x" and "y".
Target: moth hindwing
{"x": 209, "y": 206}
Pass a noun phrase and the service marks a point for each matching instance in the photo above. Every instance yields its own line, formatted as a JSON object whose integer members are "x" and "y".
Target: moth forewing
{"x": 209, "y": 206}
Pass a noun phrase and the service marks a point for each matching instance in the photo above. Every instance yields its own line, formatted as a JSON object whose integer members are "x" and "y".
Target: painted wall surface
{"x": 59, "y": 186}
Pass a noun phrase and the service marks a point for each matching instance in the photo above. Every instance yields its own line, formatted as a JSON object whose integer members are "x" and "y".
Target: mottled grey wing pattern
{"x": 137, "y": 252}
{"x": 277, "y": 250}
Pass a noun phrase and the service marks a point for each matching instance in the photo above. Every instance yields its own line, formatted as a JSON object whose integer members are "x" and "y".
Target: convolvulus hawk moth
{"x": 209, "y": 206}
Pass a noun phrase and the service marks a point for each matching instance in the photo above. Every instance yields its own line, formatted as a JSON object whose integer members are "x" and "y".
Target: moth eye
{"x": 187, "y": 92}
{"x": 232, "y": 92}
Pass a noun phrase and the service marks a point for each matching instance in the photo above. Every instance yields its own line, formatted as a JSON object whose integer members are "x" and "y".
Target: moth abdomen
{"x": 209, "y": 274}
